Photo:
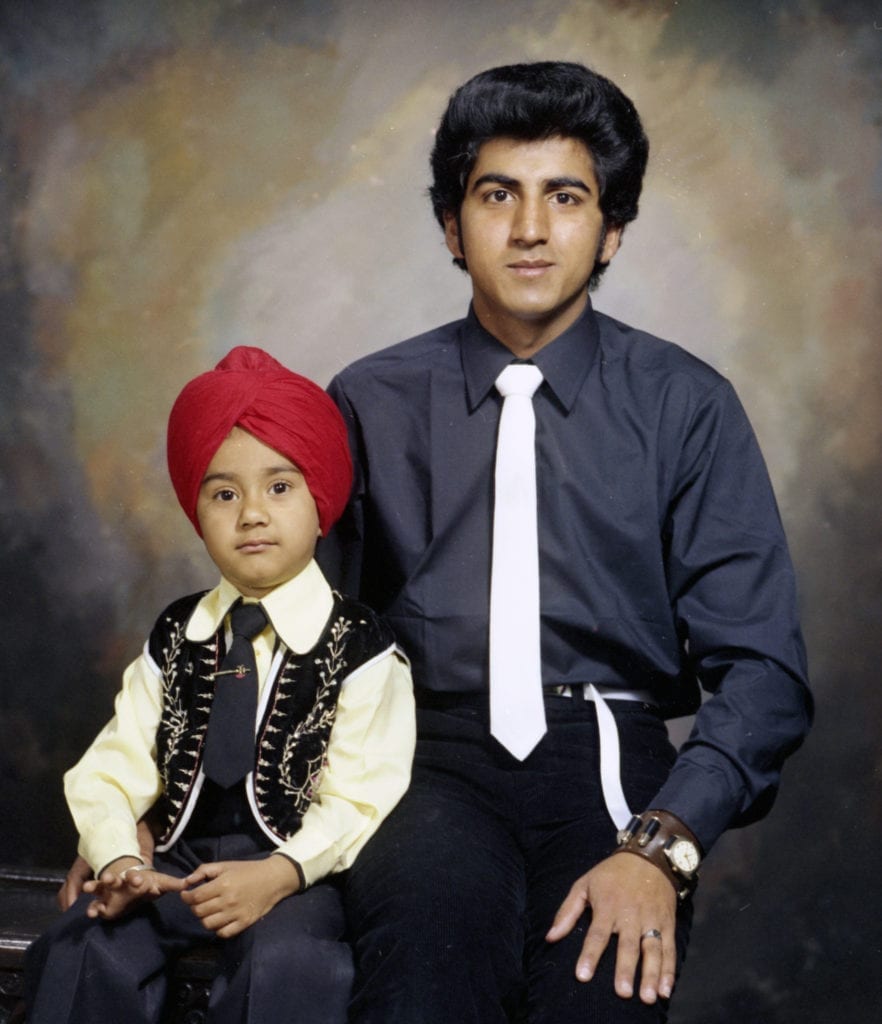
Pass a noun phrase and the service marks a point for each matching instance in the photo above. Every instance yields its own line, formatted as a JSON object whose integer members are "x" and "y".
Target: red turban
{"x": 295, "y": 417}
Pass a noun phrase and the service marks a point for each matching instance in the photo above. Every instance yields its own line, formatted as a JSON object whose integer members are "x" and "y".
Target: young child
{"x": 257, "y": 789}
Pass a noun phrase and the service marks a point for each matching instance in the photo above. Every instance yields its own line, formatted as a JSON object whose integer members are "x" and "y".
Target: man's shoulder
{"x": 638, "y": 351}
{"x": 404, "y": 357}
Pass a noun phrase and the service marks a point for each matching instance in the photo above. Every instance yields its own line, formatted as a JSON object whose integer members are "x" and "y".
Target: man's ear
{"x": 452, "y": 236}
{"x": 611, "y": 242}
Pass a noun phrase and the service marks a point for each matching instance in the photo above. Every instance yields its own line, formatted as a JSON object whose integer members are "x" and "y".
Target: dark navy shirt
{"x": 663, "y": 563}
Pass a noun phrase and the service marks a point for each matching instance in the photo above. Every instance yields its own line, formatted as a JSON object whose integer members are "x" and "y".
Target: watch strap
{"x": 648, "y": 835}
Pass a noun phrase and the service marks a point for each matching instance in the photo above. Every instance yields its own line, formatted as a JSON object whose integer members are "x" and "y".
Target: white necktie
{"x": 517, "y": 712}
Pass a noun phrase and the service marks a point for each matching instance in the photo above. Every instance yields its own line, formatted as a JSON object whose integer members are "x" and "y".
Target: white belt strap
{"x": 610, "y": 758}
{"x": 608, "y": 741}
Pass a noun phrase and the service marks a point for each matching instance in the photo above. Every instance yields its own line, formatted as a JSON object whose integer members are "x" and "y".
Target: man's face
{"x": 257, "y": 516}
{"x": 530, "y": 229}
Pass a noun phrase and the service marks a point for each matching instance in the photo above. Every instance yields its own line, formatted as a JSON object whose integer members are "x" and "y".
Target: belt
{"x": 608, "y": 734}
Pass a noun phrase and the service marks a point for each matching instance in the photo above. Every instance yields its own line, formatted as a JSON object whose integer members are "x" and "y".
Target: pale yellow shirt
{"x": 369, "y": 756}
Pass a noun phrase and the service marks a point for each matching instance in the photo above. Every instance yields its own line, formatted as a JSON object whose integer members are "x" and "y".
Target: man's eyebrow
{"x": 492, "y": 178}
{"x": 550, "y": 185}
{"x": 565, "y": 182}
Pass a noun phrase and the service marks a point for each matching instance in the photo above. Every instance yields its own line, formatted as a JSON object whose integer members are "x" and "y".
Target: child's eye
{"x": 225, "y": 495}
{"x": 280, "y": 487}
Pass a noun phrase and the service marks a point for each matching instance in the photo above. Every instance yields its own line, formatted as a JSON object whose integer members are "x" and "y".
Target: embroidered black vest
{"x": 292, "y": 741}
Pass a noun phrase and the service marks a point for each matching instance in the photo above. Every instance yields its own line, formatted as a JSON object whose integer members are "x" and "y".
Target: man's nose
{"x": 530, "y": 224}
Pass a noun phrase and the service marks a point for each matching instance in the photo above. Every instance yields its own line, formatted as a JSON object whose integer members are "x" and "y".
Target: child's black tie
{"x": 229, "y": 746}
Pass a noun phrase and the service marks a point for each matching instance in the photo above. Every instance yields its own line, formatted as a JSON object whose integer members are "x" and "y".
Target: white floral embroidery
{"x": 319, "y": 720}
{"x": 174, "y": 714}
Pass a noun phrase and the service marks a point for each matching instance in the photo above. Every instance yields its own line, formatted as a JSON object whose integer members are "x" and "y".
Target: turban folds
{"x": 291, "y": 414}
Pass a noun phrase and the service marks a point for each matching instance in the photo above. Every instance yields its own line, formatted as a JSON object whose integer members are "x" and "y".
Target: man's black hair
{"x": 543, "y": 100}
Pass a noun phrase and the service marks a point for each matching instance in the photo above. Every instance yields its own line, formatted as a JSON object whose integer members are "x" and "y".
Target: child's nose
{"x": 254, "y": 510}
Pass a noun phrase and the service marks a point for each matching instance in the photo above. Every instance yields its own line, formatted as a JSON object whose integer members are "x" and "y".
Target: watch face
{"x": 684, "y": 856}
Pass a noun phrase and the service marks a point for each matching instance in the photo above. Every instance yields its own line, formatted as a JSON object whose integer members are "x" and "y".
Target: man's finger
{"x": 593, "y": 947}
{"x": 626, "y": 962}
{"x": 669, "y": 964}
{"x": 651, "y": 948}
{"x": 568, "y": 914}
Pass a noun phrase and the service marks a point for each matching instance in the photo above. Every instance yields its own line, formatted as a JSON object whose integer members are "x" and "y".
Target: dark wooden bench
{"x": 27, "y": 906}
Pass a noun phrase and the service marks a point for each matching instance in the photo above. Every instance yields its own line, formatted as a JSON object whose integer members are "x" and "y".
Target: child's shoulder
{"x": 359, "y": 618}
{"x": 180, "y": 610}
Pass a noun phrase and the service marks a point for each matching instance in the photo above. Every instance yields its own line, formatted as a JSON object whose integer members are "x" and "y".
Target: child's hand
{"x": 126, "y": 882}
{"x": 229, "y": 896}
{"x": 80, "y": 872}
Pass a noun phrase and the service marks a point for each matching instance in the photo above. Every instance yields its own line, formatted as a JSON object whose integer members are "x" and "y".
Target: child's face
{"x": 258, "y": 518}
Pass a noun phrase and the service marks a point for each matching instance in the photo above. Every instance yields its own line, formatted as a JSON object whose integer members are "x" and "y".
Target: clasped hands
{"x": 227, "y": 896}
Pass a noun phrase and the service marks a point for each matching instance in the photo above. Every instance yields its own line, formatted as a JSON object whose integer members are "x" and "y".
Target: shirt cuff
{"x": 114, "y": 839}
{"x": 296, "y": 865}
{"x": 703, "y": 794}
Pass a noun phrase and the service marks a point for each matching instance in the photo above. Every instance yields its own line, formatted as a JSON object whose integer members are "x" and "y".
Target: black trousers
{"x": 291, "y": 967}
{"x": 449, "y": 903}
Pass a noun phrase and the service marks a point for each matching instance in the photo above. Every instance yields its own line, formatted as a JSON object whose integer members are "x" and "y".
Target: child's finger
{"x": 141, "y": 880}
{"x": 204, "y": 873}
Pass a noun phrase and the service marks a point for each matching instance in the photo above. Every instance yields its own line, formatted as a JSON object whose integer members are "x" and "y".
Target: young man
{"x": 511, "y": 882}
{"x": 267, "y": 729}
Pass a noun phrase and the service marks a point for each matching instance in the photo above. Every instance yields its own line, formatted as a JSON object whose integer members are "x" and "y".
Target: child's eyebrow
{"x": 212, "y": 477}
{"x": 266, "y": 471}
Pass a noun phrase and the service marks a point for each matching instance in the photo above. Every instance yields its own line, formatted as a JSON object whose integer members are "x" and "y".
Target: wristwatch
{"x": 683, "y": 855}
{"x": 665, "y": 841}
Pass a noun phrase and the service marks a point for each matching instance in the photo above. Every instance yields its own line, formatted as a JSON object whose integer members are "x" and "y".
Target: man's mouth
{"x": 530, "y": 268}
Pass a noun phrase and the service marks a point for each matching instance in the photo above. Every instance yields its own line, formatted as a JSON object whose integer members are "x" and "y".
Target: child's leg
{"x": 291, "y": 967}
{"x": 84, "y": 970}
{"x": 87, "y": 970}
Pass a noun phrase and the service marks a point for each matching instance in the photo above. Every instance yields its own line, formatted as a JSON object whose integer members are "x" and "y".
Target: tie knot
{"x": 519, "y": 379}
{"x": 247, "y": 620}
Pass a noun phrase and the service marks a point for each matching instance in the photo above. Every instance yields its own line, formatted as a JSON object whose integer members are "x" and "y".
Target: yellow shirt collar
{"x": 297, "y": 610}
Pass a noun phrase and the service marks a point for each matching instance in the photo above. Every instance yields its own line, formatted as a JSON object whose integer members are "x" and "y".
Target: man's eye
{"x": 564, "y": 198}
{"x": 499, "y": 195}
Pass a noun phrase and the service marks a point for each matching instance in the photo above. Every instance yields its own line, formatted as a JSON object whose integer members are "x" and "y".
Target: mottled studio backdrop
{"x": 178, "y": 176}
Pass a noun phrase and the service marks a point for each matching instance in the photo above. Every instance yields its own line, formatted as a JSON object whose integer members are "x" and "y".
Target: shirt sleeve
{"x": 733, "y": 590}
{"x": 116, "y": 781}
{"x": 340, "y": 552}
{"x": 369, "y": 758}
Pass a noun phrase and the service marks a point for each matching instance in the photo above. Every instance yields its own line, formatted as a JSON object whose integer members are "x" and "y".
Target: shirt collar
{"x": 564, "y": 362}
{"x": 298, "y": 610}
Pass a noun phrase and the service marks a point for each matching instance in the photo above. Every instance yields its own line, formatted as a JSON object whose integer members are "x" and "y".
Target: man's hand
{"x": 72, "y": 886}
{"x": 125, "y": 882}
{"x": 229, "y": 896}
{"x": 80, "y": 872}
{"x": 627, "y": 897}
